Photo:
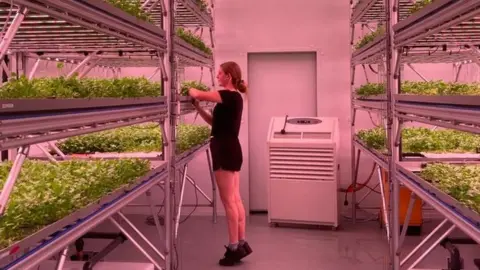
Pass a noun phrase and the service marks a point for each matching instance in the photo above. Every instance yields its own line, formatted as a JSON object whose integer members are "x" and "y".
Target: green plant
{"x": 370, "y": 89}
{"x": 45, "y": 192}
{"x": 462, "y": 182}
{"x": 132, "y": 7}
{"x": 137, "y": 138}
{"x": 418, "y": 140}
{"x": 419, "y": 4}
{"x": 202, "y": 5}
{"x": 370, "y": 37}
{"x": 73, "y": 87}
{"x": 186, "y": 85}
{"x": 430, "y": 88}
{"x": 374, "y": 138}
{"x": 193, "y": 40}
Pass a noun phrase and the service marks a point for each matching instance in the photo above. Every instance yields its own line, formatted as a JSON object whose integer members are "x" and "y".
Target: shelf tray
{"x": 189, "y": 54}
{"x": 30, "y": 128}
{"x": 379, "y": 158}
{"x": 441, "y": 23}
{"x": 367, "y": 11}
{"x": 452, "y": 112}
{"x": 48, "y": 240}
{"x": 466, "y": 220}
{"x": 377, "y": 106}
{"x": 189, "y": 14}
{"x": 85, "y": 25}
{"x": 463, "y": 101}
{"x": 371, "y": 53}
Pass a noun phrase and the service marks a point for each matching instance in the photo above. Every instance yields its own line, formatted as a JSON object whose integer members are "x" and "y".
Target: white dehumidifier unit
{"x": 303, "y": 171}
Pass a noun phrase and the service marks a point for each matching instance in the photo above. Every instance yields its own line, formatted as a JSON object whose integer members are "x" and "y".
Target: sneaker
{"x": 232, "y": 256}
{"x": 247, "y": 249}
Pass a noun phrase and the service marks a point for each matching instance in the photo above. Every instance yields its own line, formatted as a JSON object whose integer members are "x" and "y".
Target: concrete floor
{"x": 361, "y": 246}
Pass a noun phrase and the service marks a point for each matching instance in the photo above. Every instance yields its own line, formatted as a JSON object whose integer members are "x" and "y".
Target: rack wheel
{"x": 274, "y": 224}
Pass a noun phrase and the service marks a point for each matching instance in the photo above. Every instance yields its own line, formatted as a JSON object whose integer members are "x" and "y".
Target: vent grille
{"x": 302, "y": 163}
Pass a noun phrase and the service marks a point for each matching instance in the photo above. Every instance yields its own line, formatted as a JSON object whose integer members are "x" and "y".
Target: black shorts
{"x": 226, "y": 154}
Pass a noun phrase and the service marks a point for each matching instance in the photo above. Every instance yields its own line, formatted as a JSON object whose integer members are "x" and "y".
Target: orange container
{"x": 416, "y": 219}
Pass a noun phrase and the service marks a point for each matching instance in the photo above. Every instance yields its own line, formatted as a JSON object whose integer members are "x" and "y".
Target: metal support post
{"x": 12, "y": 177}
{"x": 90, "y": 67}
{"x": 214, "y": 185}
{"x": 145, "y": 3}
{"x": 416, "y": 72}
{"x": 457, "y": 75}
{"x": 154, "y": 73}
{"x": 12, "y": 30}
{"x": 384, "y": 203}
{"x": 62, "y": 259}
{"x": 352, "y": 125}
{"x": 212, "y": 69}
{"x": 365, "y": 72}
{"x": 154, "y": 214}
{"x": 81, "y": 64}
{"x": 392, "y": 89}
{"x": 411, "y": 203}
{"x": 182, "y": 193}
{"x": 6, "y": 69}
{"x": 34, "y": 69}
{"x": 139, "y": 247}
{"x": 47, "y": 154}
{"x": 432, "y": 246}
{"x": 170, "y": 90}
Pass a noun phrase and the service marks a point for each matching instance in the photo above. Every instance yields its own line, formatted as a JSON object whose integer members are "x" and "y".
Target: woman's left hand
{"x": 191, "y": 92}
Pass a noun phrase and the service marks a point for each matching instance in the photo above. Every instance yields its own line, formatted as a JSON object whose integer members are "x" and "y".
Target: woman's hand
{"x": 192, "y": 92}
{"x": 195, "y": 103}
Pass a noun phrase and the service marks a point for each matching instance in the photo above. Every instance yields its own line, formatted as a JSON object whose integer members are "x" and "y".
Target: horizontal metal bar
{"x": 433, "y": 19}
{"x": 61, "y": 134}
{"x": 456, "y": 117}
{"x": 91, "y": 14}
{"x": 465, "y": 219}
{"x": 374, "y": 11}
{"x": 189, "y": 8}
{"x": 370, "y": 105}
{"x": 464, "y": 101}
{"x": 80, "y": 224}
{"x": 51, "y": 105}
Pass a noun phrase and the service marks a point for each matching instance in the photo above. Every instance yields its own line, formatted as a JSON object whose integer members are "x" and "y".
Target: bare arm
{"x": 204, "y": 114}
{"x": 212, "y": 96}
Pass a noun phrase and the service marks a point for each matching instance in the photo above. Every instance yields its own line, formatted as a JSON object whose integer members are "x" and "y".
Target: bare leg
{"x": 240, "y": 208}
{"x": 226, "y": 187}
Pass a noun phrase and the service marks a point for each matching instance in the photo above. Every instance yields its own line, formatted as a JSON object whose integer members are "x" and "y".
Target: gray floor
{"x": 362, "y": 246}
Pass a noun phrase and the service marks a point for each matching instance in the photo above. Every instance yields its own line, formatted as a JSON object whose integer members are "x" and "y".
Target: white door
{"x": 279, "y": 84}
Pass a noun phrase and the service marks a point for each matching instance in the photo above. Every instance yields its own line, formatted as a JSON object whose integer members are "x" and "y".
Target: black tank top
{"x": 227, "y": 115}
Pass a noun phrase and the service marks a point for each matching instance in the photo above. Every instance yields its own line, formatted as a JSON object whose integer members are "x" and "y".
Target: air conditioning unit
{"x": 303, "y": 171}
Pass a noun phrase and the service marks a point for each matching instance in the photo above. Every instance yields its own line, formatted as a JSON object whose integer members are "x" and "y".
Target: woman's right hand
{"x": 195, "y": 103}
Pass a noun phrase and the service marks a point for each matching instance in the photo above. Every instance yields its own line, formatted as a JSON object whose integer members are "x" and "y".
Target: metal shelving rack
{"x": 94, "y": 33}
{"x": 441, "y": 32}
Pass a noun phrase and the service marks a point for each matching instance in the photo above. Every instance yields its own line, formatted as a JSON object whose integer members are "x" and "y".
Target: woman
{"x": 226, "y": 153}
